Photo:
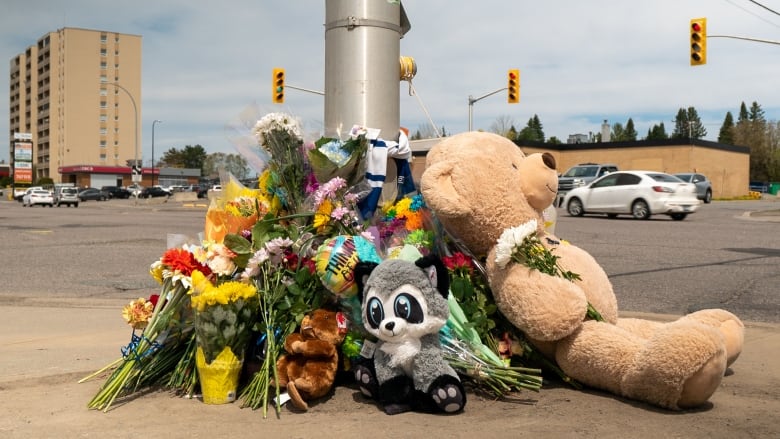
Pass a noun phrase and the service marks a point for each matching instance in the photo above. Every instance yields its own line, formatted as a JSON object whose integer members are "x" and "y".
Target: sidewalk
{"x": 45, "y": 350}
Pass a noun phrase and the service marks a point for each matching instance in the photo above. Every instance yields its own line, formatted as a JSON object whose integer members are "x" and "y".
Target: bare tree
{"x": 502, "y": 125}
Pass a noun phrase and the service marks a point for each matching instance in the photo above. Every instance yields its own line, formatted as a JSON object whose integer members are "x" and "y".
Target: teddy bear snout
{"x": 549, "y": 160}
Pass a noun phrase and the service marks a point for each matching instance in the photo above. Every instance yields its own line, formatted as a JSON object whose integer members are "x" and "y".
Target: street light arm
{"x": 135, "y": 111}
{"x": 472, "y": 100}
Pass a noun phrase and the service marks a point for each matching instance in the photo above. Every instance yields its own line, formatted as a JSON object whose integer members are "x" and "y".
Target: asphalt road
{"x": 100, "y": 253}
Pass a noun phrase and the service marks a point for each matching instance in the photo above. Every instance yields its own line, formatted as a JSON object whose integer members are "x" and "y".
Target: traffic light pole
{"x": 758, "y": 40}
{"x": 317, "y": 92}
{"x": 472, "y": 100}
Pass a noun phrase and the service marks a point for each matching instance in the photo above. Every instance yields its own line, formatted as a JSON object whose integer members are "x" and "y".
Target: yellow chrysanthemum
{"x": 322, "y": 216}
{"x": 156, "y": 270}
{"x": 402, "y": 207}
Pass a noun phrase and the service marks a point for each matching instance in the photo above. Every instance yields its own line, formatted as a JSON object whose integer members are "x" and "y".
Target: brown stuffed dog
{"x": 481, "y": 184}
{"x": 310, "y": 365}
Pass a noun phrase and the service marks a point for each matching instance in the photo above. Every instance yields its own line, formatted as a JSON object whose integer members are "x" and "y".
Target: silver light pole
{"x": 153, "y": 124}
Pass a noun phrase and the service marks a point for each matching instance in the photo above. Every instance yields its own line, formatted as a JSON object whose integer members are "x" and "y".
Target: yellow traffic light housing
{"x": 698, "y": 41}
{"x": 513, "y": 86}
{"x": 278, "y": 86}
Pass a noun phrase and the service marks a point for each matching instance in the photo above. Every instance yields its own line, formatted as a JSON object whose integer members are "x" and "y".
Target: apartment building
{"x": 75, "y": 95}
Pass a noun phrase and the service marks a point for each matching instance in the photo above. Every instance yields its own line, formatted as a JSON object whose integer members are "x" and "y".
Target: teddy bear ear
{"x": 439, "y": 192}
{"x": 436, "y": 272}
{"x": 361, "y": 272}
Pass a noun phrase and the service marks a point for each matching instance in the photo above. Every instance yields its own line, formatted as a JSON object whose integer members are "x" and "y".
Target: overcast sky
{"x": 581, "y": 62}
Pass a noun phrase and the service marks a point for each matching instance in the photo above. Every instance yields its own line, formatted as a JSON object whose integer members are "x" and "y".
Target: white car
{"x": 637, "y": 193}
{"x": 38, "y": 196}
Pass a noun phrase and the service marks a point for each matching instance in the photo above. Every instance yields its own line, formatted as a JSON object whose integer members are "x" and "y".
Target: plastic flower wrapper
{"x": 405, "y": 221}
{"x": 332, "y": 158}
{"x": 237, "y": 208}
{"x": 141, "y": 356}
{"x": 279, "y": 136}
{"x": 277, "y": 260}
{"x": 224, "y": 315}
{"x": 522, "y": 245}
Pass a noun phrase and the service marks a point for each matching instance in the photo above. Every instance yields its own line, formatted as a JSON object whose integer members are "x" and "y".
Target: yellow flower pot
{"x": 219, "y": 379}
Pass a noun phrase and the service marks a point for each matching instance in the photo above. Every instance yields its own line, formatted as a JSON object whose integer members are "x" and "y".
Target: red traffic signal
{"x": 513, "y": 86}
{"x": 698, "y": 31}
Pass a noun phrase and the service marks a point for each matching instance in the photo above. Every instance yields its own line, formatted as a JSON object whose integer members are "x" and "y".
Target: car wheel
{"x": 640, "y": 210}
{"x": 708, "y": 197}
{"x": 612, "y": 215}
{"x": 575, "y": 207}
{"x": 76, "y": 205}
{"x": 678, "y": 216}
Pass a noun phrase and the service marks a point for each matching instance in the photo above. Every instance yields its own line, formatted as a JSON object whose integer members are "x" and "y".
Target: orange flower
{"x": 183, "y": 262}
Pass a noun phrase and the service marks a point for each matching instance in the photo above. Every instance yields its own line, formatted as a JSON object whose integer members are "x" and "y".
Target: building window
{"x": 102, "y": 143}
{"x": 103, "y": 78}
{"x": 103, "y": 118}
{"x": 102, "y": 156}
{"x": 103, "y": 104}
{"x": 103, "y": 65}
{"x": 103, "y": 38}
{"x": 103, "y": 52}
{"x": 103, "y": 131}
{"x": 103, "y": 92}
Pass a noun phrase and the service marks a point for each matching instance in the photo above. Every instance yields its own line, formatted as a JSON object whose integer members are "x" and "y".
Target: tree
{"x": 502, "y": 126}
{"x": 753, "y": 131}
{"x": 554, "y": 140}
{"x": 630, "y": 130}
{"x": 533, "y": 131}
{"x": 618, "y": 132}
{"x": 190, "y": 157}
{"x": 687, "y": 125}
{"x": 233, "y": 163}
{"x": 726, "y": 134}
{"x": 657, "y": 132}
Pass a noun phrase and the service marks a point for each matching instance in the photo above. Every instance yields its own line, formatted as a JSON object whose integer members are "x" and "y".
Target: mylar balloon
{"x": 336, "y": 260}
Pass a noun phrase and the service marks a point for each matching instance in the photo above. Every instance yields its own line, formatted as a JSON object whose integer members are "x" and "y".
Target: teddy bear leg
{"x": 729, "y": 325}
{"x": 448, "y": 395}
{"x": 367, "y": 382}
{"x": 295, "y": 397}
{"x": 680, "y": 367}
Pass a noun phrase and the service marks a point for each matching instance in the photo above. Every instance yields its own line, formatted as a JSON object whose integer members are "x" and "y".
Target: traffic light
{"x": 513, "y": 86}
{"x": 698, "y": 41}
{"x": 278, "y": 86}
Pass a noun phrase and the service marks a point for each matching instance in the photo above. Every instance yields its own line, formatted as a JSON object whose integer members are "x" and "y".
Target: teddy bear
{"x": 404, "y": 305}
{"x": 309, "y": 367}
{"x": 479, "y": 185}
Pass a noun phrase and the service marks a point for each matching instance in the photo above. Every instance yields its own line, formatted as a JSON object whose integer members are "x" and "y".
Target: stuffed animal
{"x": 479, "y": 185}
{"x": 404, "y": 305}
{"x": 309, "y": 368}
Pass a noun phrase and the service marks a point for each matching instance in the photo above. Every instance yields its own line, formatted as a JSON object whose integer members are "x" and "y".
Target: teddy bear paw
{"x": 367, "y": 382}
{"x": 449, "y": 397}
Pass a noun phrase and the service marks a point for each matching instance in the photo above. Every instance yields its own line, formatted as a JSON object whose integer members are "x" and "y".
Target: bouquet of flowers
{"x": 224, "y": 316}
{"x": 173, "y": 271}
{"x": 522, "y": 245}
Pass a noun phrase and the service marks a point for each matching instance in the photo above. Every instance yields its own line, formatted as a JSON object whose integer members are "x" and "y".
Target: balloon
{"x": 336, "y": 259}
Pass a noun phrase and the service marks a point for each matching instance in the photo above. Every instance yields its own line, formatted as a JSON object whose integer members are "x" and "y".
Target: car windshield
{"x": 684, "y": 177}
{"x": 582, "y": 171}
{"x": 70, "y": 191}
{"x": 665, "y": 178}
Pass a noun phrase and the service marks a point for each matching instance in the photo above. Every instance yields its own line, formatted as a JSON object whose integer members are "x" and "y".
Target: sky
{"x": 207, "y": 65}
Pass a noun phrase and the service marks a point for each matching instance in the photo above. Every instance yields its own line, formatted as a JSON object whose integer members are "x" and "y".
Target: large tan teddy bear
{"x": 480, "y": 184}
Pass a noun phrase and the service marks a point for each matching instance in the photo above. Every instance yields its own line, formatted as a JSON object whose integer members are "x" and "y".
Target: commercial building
{"x": 75, "y": 96}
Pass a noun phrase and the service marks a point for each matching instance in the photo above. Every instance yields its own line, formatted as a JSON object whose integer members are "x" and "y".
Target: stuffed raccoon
{"x": 404, "y": 305}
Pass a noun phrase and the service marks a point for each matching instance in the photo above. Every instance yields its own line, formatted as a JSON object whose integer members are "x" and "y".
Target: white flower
{"x": 276, "y": 121}
{"x": 512, "y": 238}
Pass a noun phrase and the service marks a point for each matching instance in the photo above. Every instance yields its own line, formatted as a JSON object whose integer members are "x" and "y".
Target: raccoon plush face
{"x": 403, "y": 301}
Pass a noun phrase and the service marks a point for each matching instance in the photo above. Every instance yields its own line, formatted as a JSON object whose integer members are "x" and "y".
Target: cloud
{"x": 580, "y": 62}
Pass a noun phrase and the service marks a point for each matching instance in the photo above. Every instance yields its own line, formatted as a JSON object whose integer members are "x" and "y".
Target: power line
{"x": 759, "y": 4}
{"x": 752, "y": 13}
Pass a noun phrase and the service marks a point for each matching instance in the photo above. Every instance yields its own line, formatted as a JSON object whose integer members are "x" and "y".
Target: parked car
{"x": 581, "y": 175}
{"x": 153, "y": 192}
{"x": 703, "y": 184}
{"x": 135, "y": 189}
{"x": 637, "y": 193}
{"x": 92, "y": 193}
{"x": 20, "y": 193}
{"x": 116, "y": 192}
{"x": 37, "y": 196}
{"x": 68, "y": 196}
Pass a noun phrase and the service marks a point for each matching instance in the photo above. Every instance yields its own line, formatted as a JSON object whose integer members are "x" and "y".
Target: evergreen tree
{"x": 687, "y": 124}
{"x": 533, "y": 131}
{"x": 630, "y": 132}
{"x": 657, "y": 132}
{"x": 726, "y": 134}
{"x": 756, "y": 113}
{"x": 618, "y": 133}
{"x": 743, "y": 113}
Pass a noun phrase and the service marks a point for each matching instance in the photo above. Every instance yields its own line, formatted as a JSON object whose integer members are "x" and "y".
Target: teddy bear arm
{"x": 545, "y": 307}
{"x": 317, "y": 348}
{"x": 291, "y": 341}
